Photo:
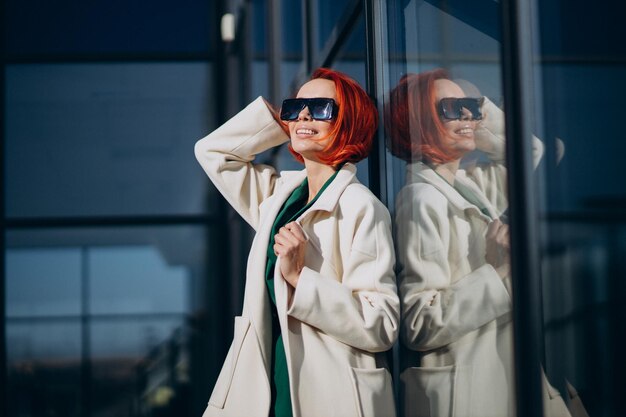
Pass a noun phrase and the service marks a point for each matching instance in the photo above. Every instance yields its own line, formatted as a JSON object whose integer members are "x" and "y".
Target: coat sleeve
{"x": 435, "y": 310}
{"x": 227, "y": 156}
{"x": 362, "y": 308}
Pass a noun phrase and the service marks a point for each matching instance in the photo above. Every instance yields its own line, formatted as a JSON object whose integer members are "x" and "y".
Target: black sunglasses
{"x": 319, "y": 108}
{"x": 452, "y": 108}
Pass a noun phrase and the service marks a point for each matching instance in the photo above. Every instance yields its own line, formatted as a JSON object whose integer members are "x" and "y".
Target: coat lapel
{"x": 420, "y": 172}
{"x": 328, "y": 200}
{"x": 256, "y": 300}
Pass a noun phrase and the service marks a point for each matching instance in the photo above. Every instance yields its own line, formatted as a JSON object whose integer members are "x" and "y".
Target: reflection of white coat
{"x": 456, "y": 308}
{"x": 345, "y": 308}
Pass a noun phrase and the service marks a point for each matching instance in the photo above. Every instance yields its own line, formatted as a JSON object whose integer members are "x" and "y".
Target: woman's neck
{"x": 448, "y": 170}
{"x": 317, "y": 174}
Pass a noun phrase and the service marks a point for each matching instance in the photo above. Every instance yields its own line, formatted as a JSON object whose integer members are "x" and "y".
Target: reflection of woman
{"x": 452, "y": 251}
{"x": 320, "y": 298}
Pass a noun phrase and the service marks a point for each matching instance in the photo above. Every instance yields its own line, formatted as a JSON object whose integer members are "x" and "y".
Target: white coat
{"x": 345, "y": 309}
{"x": 456, "y": 309}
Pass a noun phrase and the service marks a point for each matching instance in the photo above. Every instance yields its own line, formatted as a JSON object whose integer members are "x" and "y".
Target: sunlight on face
{"x": 309, "y": 136}
{"x": 459, "y": 133}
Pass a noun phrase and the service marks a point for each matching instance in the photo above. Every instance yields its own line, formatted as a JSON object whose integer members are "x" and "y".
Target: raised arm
{"x": 227, "y": 156}
{"x": 491, "y": 139}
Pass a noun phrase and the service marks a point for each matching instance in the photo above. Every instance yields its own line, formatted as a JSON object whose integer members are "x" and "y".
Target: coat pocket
{"x": 373, "y": 392}
{"x": 225, "y": 378}
{"x": 436, "y": 391}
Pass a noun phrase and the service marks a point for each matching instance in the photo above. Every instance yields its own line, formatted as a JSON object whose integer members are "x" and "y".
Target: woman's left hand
{"x": 289, "y": 246}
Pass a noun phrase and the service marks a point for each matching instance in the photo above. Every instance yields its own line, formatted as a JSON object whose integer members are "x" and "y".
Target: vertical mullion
{"x": 374, "y": 14}
{"x": 246, "y": 58}
{"x": 307, "y": 35}
{"x": 222, "y": 101}
{"x": 377, "y": 79}
{"x": 274, "y": 48}
{"x": 85, "y": 332}
{"x": 4, "y": 409}
{"x": 517, "y": 86}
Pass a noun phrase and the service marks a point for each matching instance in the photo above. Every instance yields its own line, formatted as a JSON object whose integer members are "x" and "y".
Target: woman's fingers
{"x": 289, "y": 237}
{"x": 492, "y": 229}
{"x": 502, "y": 236}
{"x": 290, "y": 245}
{"x": 295, "y": 230}
{"x": 497, "y": 246}
{"x": 498, "y": 232}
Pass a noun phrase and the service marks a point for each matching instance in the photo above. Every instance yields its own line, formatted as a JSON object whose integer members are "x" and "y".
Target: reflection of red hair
{"x": 356, "y": 122}
{"x": 413, "y": 127}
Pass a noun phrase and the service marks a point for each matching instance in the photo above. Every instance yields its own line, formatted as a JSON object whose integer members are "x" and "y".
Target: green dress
{"x": 279, "y": 381}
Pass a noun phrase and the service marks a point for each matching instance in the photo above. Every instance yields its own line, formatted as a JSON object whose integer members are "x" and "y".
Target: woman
{"x": 320, "y": 302}
{"x": 453, "y": 252}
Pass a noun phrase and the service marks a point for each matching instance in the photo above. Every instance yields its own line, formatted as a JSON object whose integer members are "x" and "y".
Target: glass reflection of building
{"x": 122, "y": 267}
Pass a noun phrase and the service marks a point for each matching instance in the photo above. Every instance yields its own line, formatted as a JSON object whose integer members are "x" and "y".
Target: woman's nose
{"x": 304, "y": 114}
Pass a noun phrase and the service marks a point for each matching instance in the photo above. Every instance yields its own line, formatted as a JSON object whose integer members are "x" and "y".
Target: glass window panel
{"x": 582, "y": 198}
{"x": 351, "y": 60}
{"x": 49, "y": 29}
{"x": 601, "y": 41}
{"x": 136, "y": 279}
{"x": 258, "y": 16}
{"x": 155, "y": 312}
{"x": 42, "y": 340}
{"x": 351, "y": 56}
{"x": 446, "y": 185}
{"x": 43, "y": 367}
{"x": 292, "y": 30}
{"x": 291, "y": 58}
{"x": 139, "y": 365}
{"x": 43, "y": 282}
{"x": 329, "y": 14}
{"x": 260, "y": 84}
{"x": 130, "y": 339}
{"x": 106, "y": 139}
{"x": 138, "y": 270}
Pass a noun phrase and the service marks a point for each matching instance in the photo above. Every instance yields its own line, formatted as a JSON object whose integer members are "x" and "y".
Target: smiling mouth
{"x": 465, "y": 131}
{"x": 308, "y": 132}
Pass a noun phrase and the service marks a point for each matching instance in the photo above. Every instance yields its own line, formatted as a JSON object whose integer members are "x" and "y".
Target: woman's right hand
{"x": 498, "y": 247}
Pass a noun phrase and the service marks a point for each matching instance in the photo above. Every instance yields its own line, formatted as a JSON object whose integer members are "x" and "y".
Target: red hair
{"x": 414, "y": 129}
{"x": 354, "y": 127}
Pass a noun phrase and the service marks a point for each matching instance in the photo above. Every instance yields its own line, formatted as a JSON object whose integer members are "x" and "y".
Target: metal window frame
{"x": 375, "y": 12}
{"x": 517, "y": 79}
{"x": 3, "y": 350}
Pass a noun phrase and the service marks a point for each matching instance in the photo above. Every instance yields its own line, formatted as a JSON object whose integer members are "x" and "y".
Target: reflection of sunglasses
{"x": 452, "y": 108}
{"x": 319, "y": 108}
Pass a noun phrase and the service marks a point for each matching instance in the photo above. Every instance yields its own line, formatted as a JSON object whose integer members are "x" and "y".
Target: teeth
{"x": 305, "y": 132}
{"x": 465, "y": 131}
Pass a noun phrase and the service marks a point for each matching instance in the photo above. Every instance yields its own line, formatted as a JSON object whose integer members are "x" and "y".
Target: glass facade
{"x": 580, "y": 208}
{"x": 107, "y": 315}
{"x": 67, "y": 122}
{"x": 122, "y": 267}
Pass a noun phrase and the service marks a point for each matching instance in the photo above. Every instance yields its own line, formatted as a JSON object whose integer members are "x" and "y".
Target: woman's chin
{"x": 306, "y": 153}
